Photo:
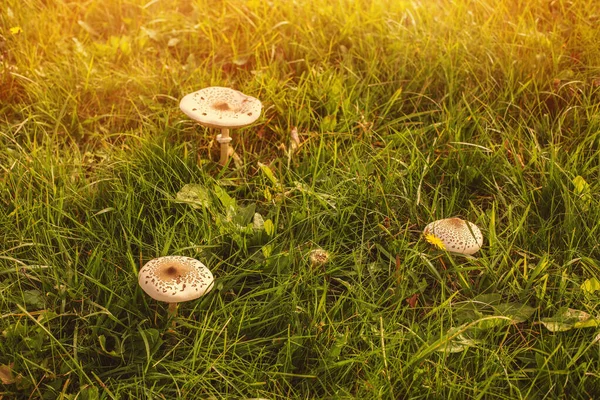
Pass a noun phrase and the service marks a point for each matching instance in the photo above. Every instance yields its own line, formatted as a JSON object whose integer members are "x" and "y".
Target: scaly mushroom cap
{"x": 457, "y": 235}
{"x": 174, "y": 279}
{"x": 220, "y": 107}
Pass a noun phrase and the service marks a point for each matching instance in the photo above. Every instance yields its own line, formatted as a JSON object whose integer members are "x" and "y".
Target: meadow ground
{"x": 406, "y": 111}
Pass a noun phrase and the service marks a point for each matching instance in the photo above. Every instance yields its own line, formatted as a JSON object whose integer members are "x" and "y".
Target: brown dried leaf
{"x": 412, "y": 300}
{"x": 6, "y": 374}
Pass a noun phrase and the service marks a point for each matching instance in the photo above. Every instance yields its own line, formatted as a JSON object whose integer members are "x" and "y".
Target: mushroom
{"x": 455, "y": 235}
{"x": 174, "y": 279}
{"x": 318, "y": 257}
{"x": 222, "y": 108}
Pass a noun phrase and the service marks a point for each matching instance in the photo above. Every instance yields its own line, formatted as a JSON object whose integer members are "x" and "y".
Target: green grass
{"x": 407, "y": 111}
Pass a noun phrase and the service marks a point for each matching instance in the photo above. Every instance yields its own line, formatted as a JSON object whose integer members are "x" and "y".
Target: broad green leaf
{"x": 465, "y": 314}
{"x": 147, "y": 341}
{"x": 590, "y": 323}
{"x": 227, "y": 201}
{"x": 453, "y": 347}
{"x": 328, "y": 123}
{"x": 555, "y": 326}
{"x": 324, "y": 198}
{"x": 267, "y": 194}
{"x": 244, "y": 215}
{"x": 102, "y": 341}
{"x": 269, "y": 227}
{"x": 455, "y": 341}
{"x": 567, "y": 319}
{"x": 515, "y": 311}
{"x": 486, "y": 313}
{"x": 340, "y": 342}
{"x": 269, "y": 174}
{"x": 125, "y": 45}
{"x": 89, "y": 392}
{"x": 581, "y": 186}
{"x": 267, "y": 250}
{"x": 152, "y": 336}
{"x": 473, "y": 309}
{"x": 487, "y": 298}
{"x": 195, "y": 195}
{"x": 258, "y": 222}
{"x": 46, "y": 315}
{"x": 489, "y": 305}
{"x": 582, "y": 189}
{"x": 493, "y": 321}
{"x": 591, "y": 285}
{"x": 576, "y": 315}
{"x": 34, "y": 298}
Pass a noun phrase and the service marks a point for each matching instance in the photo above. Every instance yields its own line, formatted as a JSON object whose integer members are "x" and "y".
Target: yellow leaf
{"x": 581, "y": 186}
{"x": 269, "y": 227}
{"x": 267, "y": 250}
{"x": 269, "y": 174}
{"x": 591, "y": 285}
{"x": 15, "y": 30}
{"x": 267, "y": 194}
{"x": 582, "y": 190}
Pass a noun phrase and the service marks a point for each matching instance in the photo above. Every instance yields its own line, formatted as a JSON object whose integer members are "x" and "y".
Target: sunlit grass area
{"x": 405, "y": 111}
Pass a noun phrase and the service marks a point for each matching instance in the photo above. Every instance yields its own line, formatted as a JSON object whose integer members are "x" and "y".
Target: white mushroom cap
{"x": 174, "y": 279}
{"x": 221, "y": 107}
{"x": 457, "y": 235}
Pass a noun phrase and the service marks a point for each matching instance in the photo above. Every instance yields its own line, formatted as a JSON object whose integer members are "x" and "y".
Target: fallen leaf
{"x": 412, "y": 300}
{"x": 173, "y": 42}
{"x": 6, "y": 374}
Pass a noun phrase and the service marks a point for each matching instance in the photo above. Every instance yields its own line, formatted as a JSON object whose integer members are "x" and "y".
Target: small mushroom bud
{"x": 318, "y": 257}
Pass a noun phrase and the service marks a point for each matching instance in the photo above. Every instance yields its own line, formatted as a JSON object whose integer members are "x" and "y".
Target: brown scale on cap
{"x": 455, "y": 222}
{"x": 221, "y": 106}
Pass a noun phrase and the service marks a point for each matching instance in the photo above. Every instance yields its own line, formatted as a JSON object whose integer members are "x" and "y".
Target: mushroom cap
{"x": 457, "y": 235}
{"x": 318, "y": 257}
{"x": 174, "y": 279}
{"x": 221, "y": 107}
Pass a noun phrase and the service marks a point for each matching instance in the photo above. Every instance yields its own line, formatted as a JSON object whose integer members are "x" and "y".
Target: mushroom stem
{"x": 224, "y": 139}
{"x": 172, "y": 311}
